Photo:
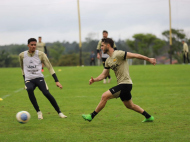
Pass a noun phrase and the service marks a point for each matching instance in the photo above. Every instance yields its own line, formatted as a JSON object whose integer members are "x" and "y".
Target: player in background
{"x": 185, "y": 52}
{"x": 31, "y": 64}
{"x": 104, "y": 55}
{"x": 117, "y": 61}
{"x": 41, "y": 47}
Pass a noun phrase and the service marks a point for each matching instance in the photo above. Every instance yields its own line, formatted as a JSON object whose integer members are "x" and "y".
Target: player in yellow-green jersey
{"x": 41, "y": 47}
{"x": 117, "y": 61}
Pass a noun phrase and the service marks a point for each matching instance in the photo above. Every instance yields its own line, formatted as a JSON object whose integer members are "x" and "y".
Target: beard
{"x": 105, "y": 51}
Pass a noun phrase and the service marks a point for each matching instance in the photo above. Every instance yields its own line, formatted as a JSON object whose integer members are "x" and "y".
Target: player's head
{"x": 183, "y": 41}
{"x": 32, "y": 44}
{"x": 108, "y": 41}
{"x": 105, "y": 34}
{"x": 106, "y": 44}
{"x": 39, "y": 38}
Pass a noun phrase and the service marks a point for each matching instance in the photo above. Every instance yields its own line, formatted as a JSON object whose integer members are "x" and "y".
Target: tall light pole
{"x": 80, "y": 43}
{"x": 170, "y": 34}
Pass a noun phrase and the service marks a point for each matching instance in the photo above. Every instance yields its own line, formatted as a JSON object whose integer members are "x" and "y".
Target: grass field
{"x": 161, "y": 90}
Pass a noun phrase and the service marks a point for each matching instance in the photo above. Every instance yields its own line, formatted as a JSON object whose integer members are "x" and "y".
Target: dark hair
{"x": 31, "y": 39}
{"x": 109, "y": 41}
{"x": 104, "y": 31}
{"x": 39, "y": 37}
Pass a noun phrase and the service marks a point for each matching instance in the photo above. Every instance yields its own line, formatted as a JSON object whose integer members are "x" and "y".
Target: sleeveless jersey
{"x": 32, "y": 66}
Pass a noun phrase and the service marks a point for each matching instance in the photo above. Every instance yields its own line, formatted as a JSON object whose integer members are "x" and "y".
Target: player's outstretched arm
{"x": 100, "y": 77}
{"x": 139, "y": 56}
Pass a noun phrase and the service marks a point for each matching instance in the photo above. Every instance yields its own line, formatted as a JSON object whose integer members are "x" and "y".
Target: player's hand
{"x": 59, "y": 85}
{"x": 152, "y": 61}
{"x": 98, "y": 56}
{"x": 91, "y": 81}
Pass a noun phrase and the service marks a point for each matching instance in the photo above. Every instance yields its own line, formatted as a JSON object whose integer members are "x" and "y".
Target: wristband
{"x": 55, "y": 77}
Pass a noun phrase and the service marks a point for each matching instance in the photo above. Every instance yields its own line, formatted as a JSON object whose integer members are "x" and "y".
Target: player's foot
{"x": 40, "y": 115}
{"x": 87, "y": 117}
{"x": 62, "y": 115}
{"x": 104, "y": 81}
{"x": 42, "y": 70}
{"x": 109, "y": 80}
{"x": 149, "y": 119}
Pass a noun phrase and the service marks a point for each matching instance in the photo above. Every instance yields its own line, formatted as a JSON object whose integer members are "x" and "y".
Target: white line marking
{"x": 19, "y": 90}
{"x": 6, "y": 96}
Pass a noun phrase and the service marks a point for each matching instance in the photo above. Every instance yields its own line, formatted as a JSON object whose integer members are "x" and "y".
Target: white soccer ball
{"x": 23, "y": 117}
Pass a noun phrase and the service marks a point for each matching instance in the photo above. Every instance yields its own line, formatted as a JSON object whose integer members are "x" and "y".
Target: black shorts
{"x": 123, "y": 91}
{"x": 104, "y": 61}
{"x": 37, "y": 82}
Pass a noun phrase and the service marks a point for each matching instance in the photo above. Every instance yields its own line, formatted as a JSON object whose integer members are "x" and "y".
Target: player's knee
{"x": 129, "y": 106}
{"x": 30, "y": 89}
{"x": 104, "y": 97}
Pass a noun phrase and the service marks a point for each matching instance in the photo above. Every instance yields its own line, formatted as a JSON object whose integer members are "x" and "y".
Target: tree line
{"x": 67, "y": 54}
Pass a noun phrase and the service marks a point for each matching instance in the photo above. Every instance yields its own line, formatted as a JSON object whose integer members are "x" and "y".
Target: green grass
{"x": 161, "y": 90}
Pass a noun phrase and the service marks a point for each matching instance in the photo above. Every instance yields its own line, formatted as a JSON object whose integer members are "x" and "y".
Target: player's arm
{"x": 98, "y": 49}
{"x": 130, "y": 55}
{"x": 21, "y": 56}
{"x": 47, "y": 63}
{"x": 45, "y": 50}
{"x": 100, "y": 77}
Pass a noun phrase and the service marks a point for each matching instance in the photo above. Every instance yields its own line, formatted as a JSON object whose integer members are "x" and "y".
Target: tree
{"x": 177, "y": 37}
{"x": 146, "y": 44}
{"x": 56, "y": 50}
{"x": 5, "y": 59}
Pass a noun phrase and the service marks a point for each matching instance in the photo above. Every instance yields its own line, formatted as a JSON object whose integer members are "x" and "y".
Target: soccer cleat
{"x": 62, "y": 115}
{"x": 42, "y": 70}
{"x": 40, "y": 115}
{"x": 109, "y": 80}
{"x": 104, "y": 81}
{"x": 87, "y": 117}
{"x": 149, "y": 119}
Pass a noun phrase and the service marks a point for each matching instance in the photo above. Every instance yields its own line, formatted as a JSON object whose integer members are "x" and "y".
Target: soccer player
{"x": 92, "y": 58}
{"x": 185, "y": 52}
{"x": 104, "y": 55}
{"x": 31, "y": 64}
{"x": 41, "y": 47}
{"x": 118, "y": 62}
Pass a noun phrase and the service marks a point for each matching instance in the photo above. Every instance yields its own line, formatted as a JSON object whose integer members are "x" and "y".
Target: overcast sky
{"x": 57, "y": 20}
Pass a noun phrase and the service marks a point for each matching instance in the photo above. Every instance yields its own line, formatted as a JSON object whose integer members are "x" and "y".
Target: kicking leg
{"x": 130, "y": 105}
{"x": 105, "y": 97}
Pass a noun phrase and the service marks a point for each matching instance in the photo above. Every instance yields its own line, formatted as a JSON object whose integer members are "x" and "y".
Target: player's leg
{"x": 30, "y": 87}
{"x": 105, "y": 97}
{"x": 184, "y": 58}
{"x": 43, "y": 87}
{"x": 126, "y": 98}
{"x": 187, "y": 58}
{"x": 130, "y": 105}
